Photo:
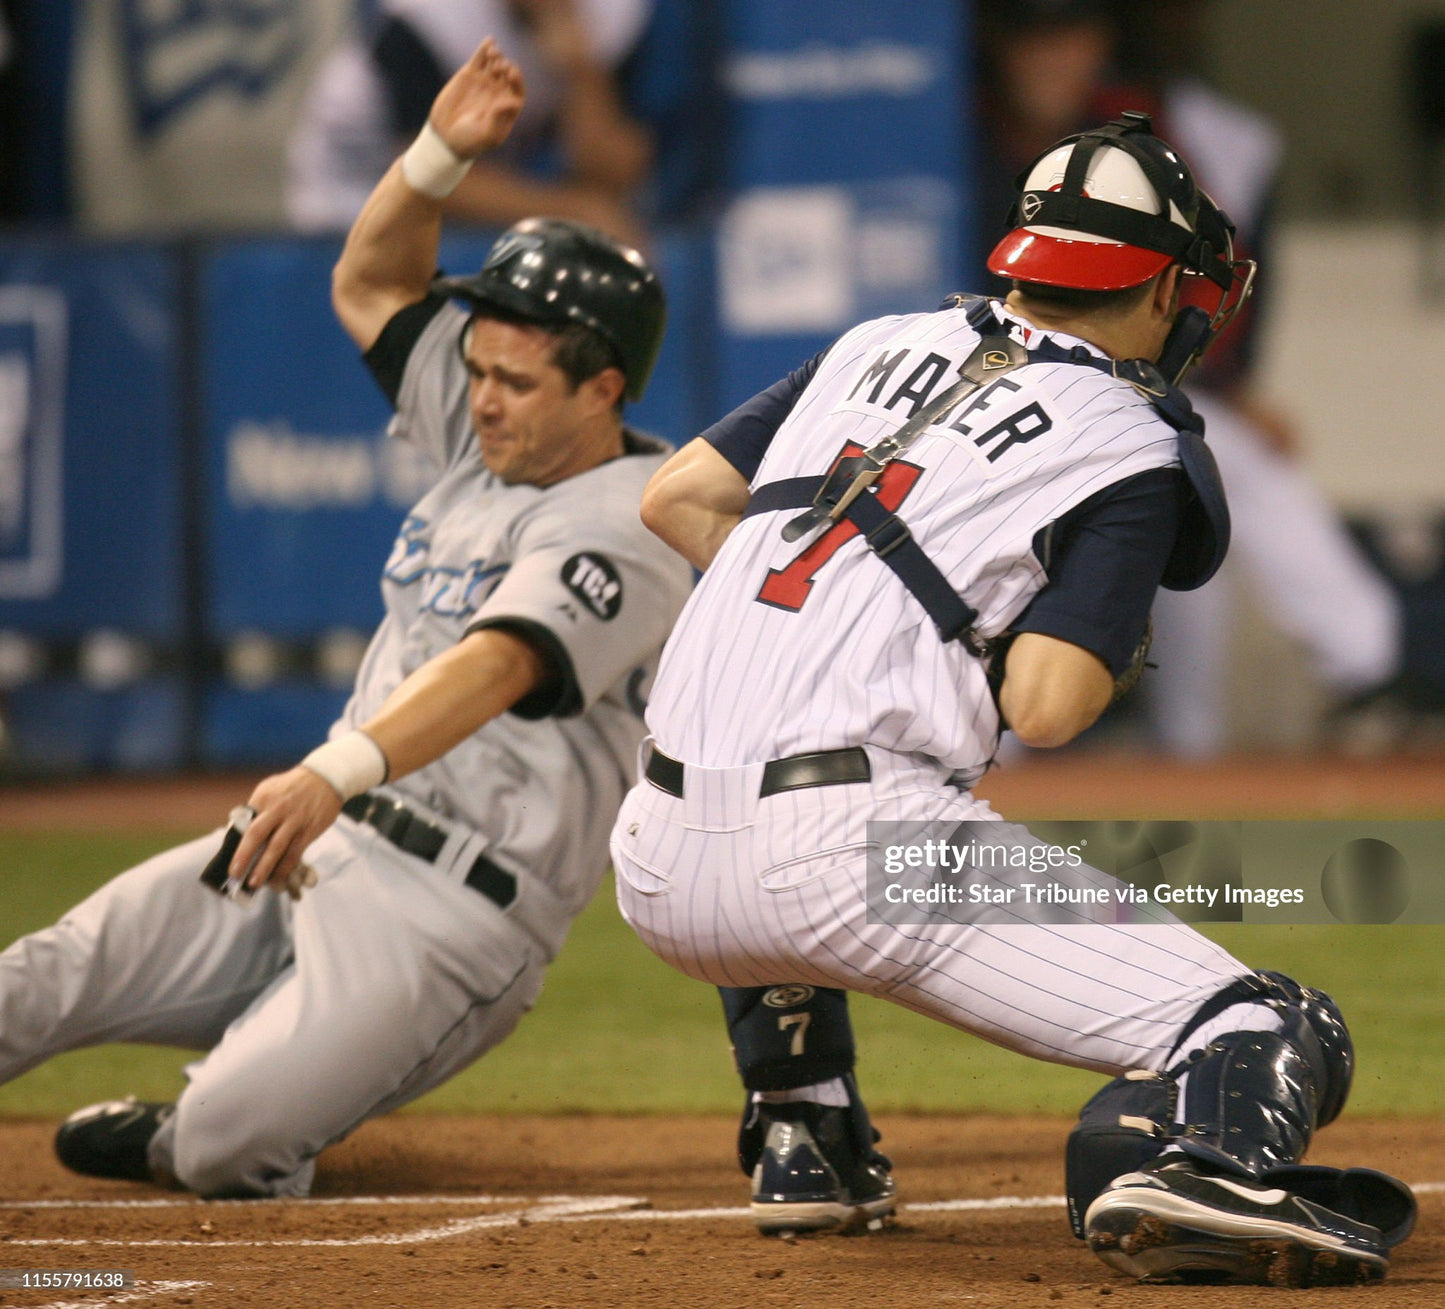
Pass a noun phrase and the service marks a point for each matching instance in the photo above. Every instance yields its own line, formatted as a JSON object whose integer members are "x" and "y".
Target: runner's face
{"x": 528, "y": 417}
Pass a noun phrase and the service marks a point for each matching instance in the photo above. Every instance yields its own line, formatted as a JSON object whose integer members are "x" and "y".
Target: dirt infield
{"x": 594, "y": 1212}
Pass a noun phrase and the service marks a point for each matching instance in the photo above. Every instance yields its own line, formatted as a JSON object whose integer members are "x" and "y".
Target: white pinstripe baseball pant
{"x": 741, "y": 891}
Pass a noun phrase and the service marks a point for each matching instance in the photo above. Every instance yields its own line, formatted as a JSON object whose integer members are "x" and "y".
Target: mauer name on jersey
{"x": 897, "y": 381}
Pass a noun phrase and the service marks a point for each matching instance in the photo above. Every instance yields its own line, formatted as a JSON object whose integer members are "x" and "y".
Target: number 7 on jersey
{"x": 787, "y": 588}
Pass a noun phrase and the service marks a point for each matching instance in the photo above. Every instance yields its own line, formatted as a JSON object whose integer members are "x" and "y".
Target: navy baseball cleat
{"x": 110, "y": 1139}
{"x": 811, "y": 1177}
{"x": 1173, "y": 1222}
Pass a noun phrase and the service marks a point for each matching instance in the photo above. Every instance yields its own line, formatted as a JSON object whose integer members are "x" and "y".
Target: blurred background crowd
{"x": 194, "y": 484}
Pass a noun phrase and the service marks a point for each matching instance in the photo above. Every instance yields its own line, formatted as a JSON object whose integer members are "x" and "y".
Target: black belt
{"x": 797, "y": 771}
{"x": 409, "y": 832}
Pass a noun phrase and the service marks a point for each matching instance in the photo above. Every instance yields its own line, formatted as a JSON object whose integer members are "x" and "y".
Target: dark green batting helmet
{"x": 553, "y": 272}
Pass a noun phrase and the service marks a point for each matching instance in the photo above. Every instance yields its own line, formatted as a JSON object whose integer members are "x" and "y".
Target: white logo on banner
{"x": 896, "y": 251}
{"x": 32, "y": 438}
{"x": 14, "y": 419}
{"x": 815, "y": 259}
{"x": 272, "y": 466}
{"x": 786, "y": 260}
{"x": 825, "y": 72}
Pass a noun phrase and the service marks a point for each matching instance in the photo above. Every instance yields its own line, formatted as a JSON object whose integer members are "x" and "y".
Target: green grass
{"x": 618, "y": 1031}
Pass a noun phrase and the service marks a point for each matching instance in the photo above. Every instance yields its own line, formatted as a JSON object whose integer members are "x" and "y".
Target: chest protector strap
{"x": 845, "y": 492}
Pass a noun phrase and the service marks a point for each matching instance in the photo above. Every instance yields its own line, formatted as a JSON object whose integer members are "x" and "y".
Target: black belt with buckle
{"x": 794, "y": 773}
{"x": 409, "y": 832}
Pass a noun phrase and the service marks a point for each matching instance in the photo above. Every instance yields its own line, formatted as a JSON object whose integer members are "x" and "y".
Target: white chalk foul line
{"x": 662, "y": 1215}
{"x": 542, "y": 1209}
{"x": 194, "y": 1202}
{"x": 998, "y": 1202}
{"x": 992, "y": 1202}
{"x": 559, "y": 1209}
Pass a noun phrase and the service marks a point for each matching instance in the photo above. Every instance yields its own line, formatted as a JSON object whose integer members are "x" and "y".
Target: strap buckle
{"x": 887, "y": 536}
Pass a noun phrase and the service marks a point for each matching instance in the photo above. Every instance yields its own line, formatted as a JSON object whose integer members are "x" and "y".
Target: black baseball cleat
{"x": 811, "y": 1177}
{"x": 1173, "y": 1222}
{"x": 110, "y": 1139}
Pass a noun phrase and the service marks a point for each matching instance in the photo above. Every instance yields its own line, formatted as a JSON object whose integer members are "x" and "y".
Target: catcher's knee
{"x": 788, "y": 1036}
{"x": 1301, "y": 1048}
{"x": 1315, "y": 1026}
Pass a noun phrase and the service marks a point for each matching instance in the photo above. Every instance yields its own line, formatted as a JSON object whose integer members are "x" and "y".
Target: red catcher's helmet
{"x": 1109, "y": 209}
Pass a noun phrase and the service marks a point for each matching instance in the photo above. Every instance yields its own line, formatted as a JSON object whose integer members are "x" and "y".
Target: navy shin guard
{"x": 1245, "y": 1102}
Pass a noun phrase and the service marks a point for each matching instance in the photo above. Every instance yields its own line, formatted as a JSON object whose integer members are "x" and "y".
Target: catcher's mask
{"x": 1109, "y": 209}
{"x": 552, "y": 272}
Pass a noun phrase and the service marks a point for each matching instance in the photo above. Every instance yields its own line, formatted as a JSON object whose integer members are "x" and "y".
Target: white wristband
{"x": 351, "y": 764}
{"x": 431, "y": 166}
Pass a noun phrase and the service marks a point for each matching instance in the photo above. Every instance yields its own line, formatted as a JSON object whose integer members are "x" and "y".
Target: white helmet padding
{"x": 1110, "y": 209}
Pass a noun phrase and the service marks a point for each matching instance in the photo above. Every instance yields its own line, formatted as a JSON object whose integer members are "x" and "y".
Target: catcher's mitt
{"x": 1138, "y": 662}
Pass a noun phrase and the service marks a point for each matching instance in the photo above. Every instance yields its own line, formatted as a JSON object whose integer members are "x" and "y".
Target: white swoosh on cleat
{"x": 1249, "y": 1192}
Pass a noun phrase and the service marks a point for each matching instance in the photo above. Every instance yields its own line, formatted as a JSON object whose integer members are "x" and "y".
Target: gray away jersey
{"x": 571, "y": 565}
{"x": 814, "y": 645}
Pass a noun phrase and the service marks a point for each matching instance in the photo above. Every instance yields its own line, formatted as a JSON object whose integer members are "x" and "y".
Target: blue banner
{"x": 848, "y": 89}
{"x": 91, "y": 576}
{"x": 90, "y": 502}
{"x": 269, "y": 727}
{"x": 303, "y": 493}
{"x": 848, "y": 154}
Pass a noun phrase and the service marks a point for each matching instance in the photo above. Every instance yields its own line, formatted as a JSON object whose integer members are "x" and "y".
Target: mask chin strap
{"x": 1195, "y": 329}
{"x": 1210, "y": 256}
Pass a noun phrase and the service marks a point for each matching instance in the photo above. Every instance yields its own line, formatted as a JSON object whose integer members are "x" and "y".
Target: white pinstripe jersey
{"x": 816, "y": 645}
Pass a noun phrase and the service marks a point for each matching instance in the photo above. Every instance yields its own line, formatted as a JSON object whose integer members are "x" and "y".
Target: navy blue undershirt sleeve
{"x": 742, "y": 436}
{"x": 389, "y": 352}
{"x": 1104, "y": 559}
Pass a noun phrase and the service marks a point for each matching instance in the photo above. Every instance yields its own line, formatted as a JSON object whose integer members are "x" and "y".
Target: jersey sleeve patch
{"x": 593, "y": 579}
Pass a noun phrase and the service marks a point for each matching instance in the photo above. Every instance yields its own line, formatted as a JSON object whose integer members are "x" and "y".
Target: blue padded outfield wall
{"x": 847, "y": 151}
{"x": 91, "y": 578}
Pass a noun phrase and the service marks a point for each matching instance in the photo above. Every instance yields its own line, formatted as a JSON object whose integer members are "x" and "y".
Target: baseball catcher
{"x": 945, "y": 523}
